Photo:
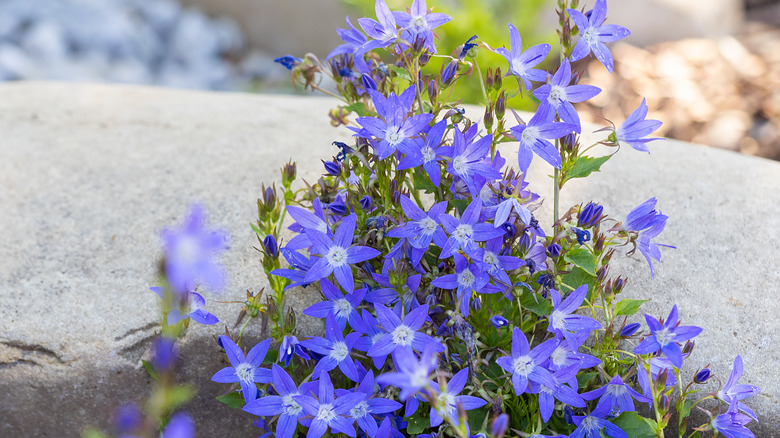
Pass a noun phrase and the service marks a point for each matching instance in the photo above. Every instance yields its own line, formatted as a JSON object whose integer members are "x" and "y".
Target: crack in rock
{"x": 13, "y": 353}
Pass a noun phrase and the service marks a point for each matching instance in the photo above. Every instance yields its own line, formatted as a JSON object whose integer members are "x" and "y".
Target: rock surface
{"x": 90, "y": 173}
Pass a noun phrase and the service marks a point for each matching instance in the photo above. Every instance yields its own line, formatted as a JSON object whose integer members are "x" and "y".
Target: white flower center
{"x": 590, "y": 424}
{"x": 246, "y": 372}
{"x": 664, "y": 337}
{"x": 337, "y": 256}
{"x": 360, "y": 410}
{"x": 557, "y": 320}
{"x": 376, "y": 338}
{"x": 419, "y": 377}
{"x": 393, "y": 136}
{"x": 291, "y": 406}
{"x": 342, "y": 308}
{"x": 560, "y": 357}
{"x": 591, "y": 36}
{"x": 491, "y": 259}
{"x": 466, "y": 278}
{"x": 459, "y": 165}
{"x": 462, "y": 233}
{"x": 530, "y": 134}
{"x": 403, "y": 335}
{"x": 428, "y": 226}
{"x": 187, "y": 249}
{"x": 428, "y": 154}
{"x": 523, "y": 365}
{"x": 339, "y": 351}
{"x": 326, "y": 413}
{"x": 418, "y": 23}
{"x": 557, "y": 94}
{"x": 446, "y": 404}
{"x": 616, "y": 390}
{"x": 517, "y": 67}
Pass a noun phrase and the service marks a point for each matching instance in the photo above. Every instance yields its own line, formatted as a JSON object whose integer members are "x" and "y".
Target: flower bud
{"x": 332, "y": 167}
{"x": 499, "y": 426}
{"x": 702, "y": 376}
{"x": 487, "y": 120}
{"x": 568, "y": 415}
{"x": 598, "y": 244}
{"x": 164, "y": 354}
{"x": 546, "y": 280}
{"x": 489, "y": 78}
{"x": 269, "y": 198}
{"x": 619, "y": 284}
{"x": 271, "y": 247}
{"x": 448, "y": 73}
{"x": 666, "y": 403}
{"x": 501, "y": 105}
{"x": 569, "y": 142}
{"x": 338, "y": 207}
{"x": 476, "y": 304}
{"x": 289, "y": 61}
{"x": 688, "y": 347}
{"x": 368, "y": 82}
{"x": 630, "y": 329}
{"x": 554, "y": 250}
{"x": 365, "y": 202}
{"x": 499, "y": 321}
{"x": 289, "y": 172}
{"x": 590, "y": 215}
{"x": 498, "y": 79}
{"x": 601, "y": 274}
{"x": 433, "y": 91}
{"x": 509, "y": 230}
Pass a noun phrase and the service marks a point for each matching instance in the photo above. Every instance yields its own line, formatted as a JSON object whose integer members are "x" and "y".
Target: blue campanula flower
{"x": 343, "y": 308}
{"x": 559, "y": 95}
{"x": 244, "y": 370}
{"x": 665, "y": 337}
{"x": 659, "y": 365}
{"x": 732, "y": 424}
{"x": 187, "y": 305}
{"x": 393, "y": 130}
{"x": 289, "y": 347}
{"x": 614, "y": 397}
{"x": 499, "y": 426}
{"x": 372, "y": 332}
{"x": 306, "y": 220}
{"x": 499, "y": 321}
{"x": 383, "y": 32}
{"x": 491, "y": 260}
{"x": 630, "y": 329}
{"x": 430, "y": 154}
{"x": 732, "y": 393}
{"x": 592, "y": 427}
{"x": 536, "y": 258}
{"x": 190, "y": 251}
{"x": 521, "y": 64}
{"x": 525, "y": 363}
{"x": 636, "y": 127}
{"x": 561, "y": 392}
{"x": 353, "y": 44}
{"x": 364, "y": 412}
{"x": 418, "y": 24}
{"x": 422, "y": 228}
{"x": 512, "y": 204}
{"x": 649, "y": 223}
{"x": 564, "y": 322}
{"x": 386, "y": 430}
{"x": 448, "y": 399}
{"x": 594, "y": 33}
{"x": 283, "y": 404}
{"x": 402, "y": 334}
{"x": 335, "y": 348}
{"x": 328, "y": 410}
{"x": 412, "y": 374}
{"x": 464, "y": 233}
{"x": 564, "y": 357}
{"x": 338, "y": 254}
{"x": 534, "y": 138}
{"x": 468, "y": 159}
{"x": 469, "y": 281}
{"x": 702, "y": 376}
{"x": 180, "y": 425}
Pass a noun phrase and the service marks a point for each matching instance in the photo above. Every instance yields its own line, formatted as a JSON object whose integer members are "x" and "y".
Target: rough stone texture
{"x": 89, "y": 174}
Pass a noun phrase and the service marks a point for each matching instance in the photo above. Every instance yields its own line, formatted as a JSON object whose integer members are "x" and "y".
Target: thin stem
{"x": 482, "y": 83}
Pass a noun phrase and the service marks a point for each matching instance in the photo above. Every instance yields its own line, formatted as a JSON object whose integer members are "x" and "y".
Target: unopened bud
{"x": 702, "y": 376}
{"x": 554, "y": 250}
{"x": 601, "y": 274}
{"x": 498, "y": 79}
{"x": 666, "y": 403}
{"x": 499, "y": 426}
{"x": 271, "y": 247}
{"x": 448, "y": 73}
{"x": 489, "y": 78}
{"x": 289, "y": 172}
{"x": 688, "y": 347}
{"x": 501, "y": 105}
{"x": 433, "y": 91}
{"x": 332, "y": 167}
{"x": 488, "y": 118}
{"x": 365, "y": 202}
{"x": 630, "y": 329}
{"x": 619, "y": 284}
{"x": 590, "y": 215}
{"x": 368, "y": 82}
{"x": 269, "y": 198}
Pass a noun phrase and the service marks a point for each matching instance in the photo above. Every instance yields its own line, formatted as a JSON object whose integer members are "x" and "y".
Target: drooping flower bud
{"x": 555, "y": 250}
{"x": 702, "y": 376}
{"x": 288, "y": 61}
{"x": 332, "y": 167}
{"x": 448, "y": 73}
{"x": 630, "y": 329}
{"x": 368, "y": 82}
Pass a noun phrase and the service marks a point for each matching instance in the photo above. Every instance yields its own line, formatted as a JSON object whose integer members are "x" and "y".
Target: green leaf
{"x": 401, "y": 73}
{"x": 359, "y": 108}
{"x": 178, "y": 395}
{"x": 417, "y": 424}
{"x": 256, "y": 230}
{"x": 536, "y": 303}
{"x": 150, "y": 369}
{"x": 628, "y": 307}
{"x": 635, "y": 426}
{"x": 93, "y": 433}
{"x": 422, "y": 182}
{"x": 577, "y": 277}
{"x": 233, "y": 400}
{"x": 584, "y": 259}
{"x": 584, "y": 166}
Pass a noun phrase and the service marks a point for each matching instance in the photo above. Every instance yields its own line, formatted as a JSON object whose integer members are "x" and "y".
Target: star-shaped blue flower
{"x": 594, "y": 33}
{"x": 244, "y": 370}
{"x": 665, "y": 337}
{"x": 522, "y": 64}
{"x": 636, "y": 127}
{"x": 559, "y": 95}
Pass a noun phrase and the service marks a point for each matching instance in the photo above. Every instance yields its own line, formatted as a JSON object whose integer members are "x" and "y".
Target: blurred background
{"x": 710, "y": 69}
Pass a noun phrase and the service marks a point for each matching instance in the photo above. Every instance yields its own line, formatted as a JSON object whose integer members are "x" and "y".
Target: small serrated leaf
{"x": 584, "y": 166}
{"x": 402, "y": 73}
{"x": 635, "y": 426}
{"x": 358, "y": 108}
{"x": 628, "y": 307}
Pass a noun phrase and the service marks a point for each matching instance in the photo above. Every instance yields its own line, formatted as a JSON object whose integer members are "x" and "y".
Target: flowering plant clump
{"x": 447, "y": 308}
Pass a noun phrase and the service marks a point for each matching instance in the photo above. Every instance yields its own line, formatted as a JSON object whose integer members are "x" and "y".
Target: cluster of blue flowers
{"x": 447, "y": 308}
